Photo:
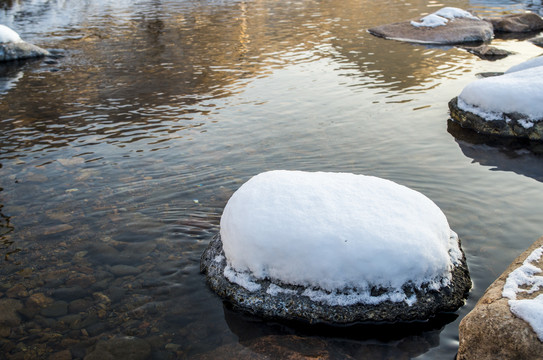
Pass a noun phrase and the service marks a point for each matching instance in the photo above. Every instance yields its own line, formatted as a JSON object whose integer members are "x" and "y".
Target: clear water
{"x": 124, "y": 151}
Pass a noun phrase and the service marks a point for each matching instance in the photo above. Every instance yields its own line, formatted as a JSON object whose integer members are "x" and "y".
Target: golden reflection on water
{"x": 125, "y": 150}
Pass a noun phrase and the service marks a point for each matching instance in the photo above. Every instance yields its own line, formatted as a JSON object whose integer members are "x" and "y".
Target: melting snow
{"x": 524, "y": 280}
{"x": 442, "y": 16}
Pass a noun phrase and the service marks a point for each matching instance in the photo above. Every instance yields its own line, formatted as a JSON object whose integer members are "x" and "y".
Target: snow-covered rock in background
{"x": 505, "y": 105}
{"x": 507, "y": 321}
{"x": 446, "y": 26}
{"x": 12, "y": 47}
{"x": 335, "y": 247}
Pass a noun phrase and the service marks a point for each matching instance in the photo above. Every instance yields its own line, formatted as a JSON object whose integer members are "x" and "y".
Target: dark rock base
{"x": 293, "y": 306}
{"x": 510, "y": 128}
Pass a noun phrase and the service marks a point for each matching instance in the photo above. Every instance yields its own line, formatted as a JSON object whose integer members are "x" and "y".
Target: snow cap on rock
{"x": 337, "y": 231}
{"x": 8, "y": 36}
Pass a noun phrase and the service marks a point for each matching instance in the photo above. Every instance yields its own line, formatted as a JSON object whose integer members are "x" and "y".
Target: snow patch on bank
{"x": 442, "y": 17}
{"x": 338, "y": 235}
{"x": 524, "y": 279}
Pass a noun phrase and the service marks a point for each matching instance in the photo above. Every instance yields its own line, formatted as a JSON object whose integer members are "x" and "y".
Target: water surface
{"x": 117, "y": 159}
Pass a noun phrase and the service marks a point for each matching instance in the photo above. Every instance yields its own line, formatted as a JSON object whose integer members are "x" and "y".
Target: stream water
{"x": 117, "y": 158}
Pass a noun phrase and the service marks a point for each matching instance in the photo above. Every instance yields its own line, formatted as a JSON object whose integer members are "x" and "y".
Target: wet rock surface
{"x": 457, "y": 31}
{"x": 491, "y": 331}
{"x": 20, "y": 51}
{"x": 487, "y": 52}
{"x": 292, "y": 305}
{"x": 510, "y": 126}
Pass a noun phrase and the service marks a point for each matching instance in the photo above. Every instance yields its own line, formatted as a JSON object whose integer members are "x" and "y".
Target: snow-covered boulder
{"x": 12, "y": 47}
{"x": 507, "y": 105}
{"x": 446, "y": 26}
{"x": 507, "y": 322}
{"x": 337, "y": 248}
{"x": 516, "y": 23}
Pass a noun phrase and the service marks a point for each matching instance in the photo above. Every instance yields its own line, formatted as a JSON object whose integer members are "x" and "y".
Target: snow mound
{"x": 337, "y": 233}
{"x": 8, "y": 36}
{"x": 442, "y": 17}
{"x": 524, "y": 279}
{"x": 528, "y": 64}
{"x": 518, "y": 92}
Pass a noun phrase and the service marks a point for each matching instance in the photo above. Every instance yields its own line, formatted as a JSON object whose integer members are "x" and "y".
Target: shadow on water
{"x": 522, "y": 157}
{"x": 375, "y": 341}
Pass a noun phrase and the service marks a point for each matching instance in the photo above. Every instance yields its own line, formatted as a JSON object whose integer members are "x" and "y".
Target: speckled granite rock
{"x": 511, "y": 127}
{"x": 457, "y": 31}
{"x": 19, "y": 51}
{"x": 491, "y": 331}
{"x": 292, "y": 305}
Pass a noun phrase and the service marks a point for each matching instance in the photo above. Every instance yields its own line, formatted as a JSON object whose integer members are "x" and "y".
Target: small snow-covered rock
{"x": 337, "y": 248}
{"x": 446, "y": 26}
{"x": 507, "y": 322}
{"x": 505, "y": 105}
{"x": 12, "y": 47}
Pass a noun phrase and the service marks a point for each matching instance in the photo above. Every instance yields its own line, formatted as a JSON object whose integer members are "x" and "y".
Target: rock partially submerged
{"x": 444, "y": 27}
{"x": 492, "y": 330}
{"x": 487, "y": 52}
{"x": 12, "y": 47}
{"x": 335, "y": 248}
{"x": 517, "y": 23}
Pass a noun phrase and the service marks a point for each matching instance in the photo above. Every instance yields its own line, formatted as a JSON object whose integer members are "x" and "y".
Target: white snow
{"x": 515, "y": 92}
{"x": 524, "y": 280}
{"x": 528, "y": 64}
{"x": 442, "y": 16}
{"x": 431, "y": 20}
{"x": 8, "y": 36}
{"x": 339, "y": 234}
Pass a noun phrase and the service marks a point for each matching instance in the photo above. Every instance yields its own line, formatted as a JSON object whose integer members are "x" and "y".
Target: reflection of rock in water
{"x": 523, "y": 157}
{"x": 278, "y": 340}
{"x": 9, "y": 76}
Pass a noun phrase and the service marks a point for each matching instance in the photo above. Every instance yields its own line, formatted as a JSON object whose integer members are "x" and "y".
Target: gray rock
{"x": 491, "y": 331}
{"x": 294, "y": 306}
{"x": 517, "y": 23}
{"x": 129, "y": 348}
{"x": 506, "y": 128}
{"x": 487, "y": 52}
{"x": 456, "y": 31}
{"x": 19, "y": 51}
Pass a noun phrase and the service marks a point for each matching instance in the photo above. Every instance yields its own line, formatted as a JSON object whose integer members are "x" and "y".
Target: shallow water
{"x": 117, "y": 159}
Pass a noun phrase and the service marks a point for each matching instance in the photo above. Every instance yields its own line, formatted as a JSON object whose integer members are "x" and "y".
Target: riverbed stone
{"x": 511, "y": 127}
{"x": 56, "y": 309}
{"x": 20, "y": 50}
{"x": 456, "y": 31}
{"x": 292, "y": 305}
{"x": 9, "y": 317}
{"x": 517, "y": 23}
{"x": 124, "y": 270}
{"x": 492, "y": 331}
{"x": 34, "y": 304}
{"x": 487, "y": 52}
{"x": 128, "y": 347}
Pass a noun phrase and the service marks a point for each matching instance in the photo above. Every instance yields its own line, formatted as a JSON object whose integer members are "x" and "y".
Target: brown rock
{"x": 517, "y": 23}
{"x": 61, "y": 355}
{"x": 487, "y": 52}
{"x": 34, "y": 304}
{"x": 457, "y": 31}
{"x": 491, "y": 331}
{"x": 17, "y": 291}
